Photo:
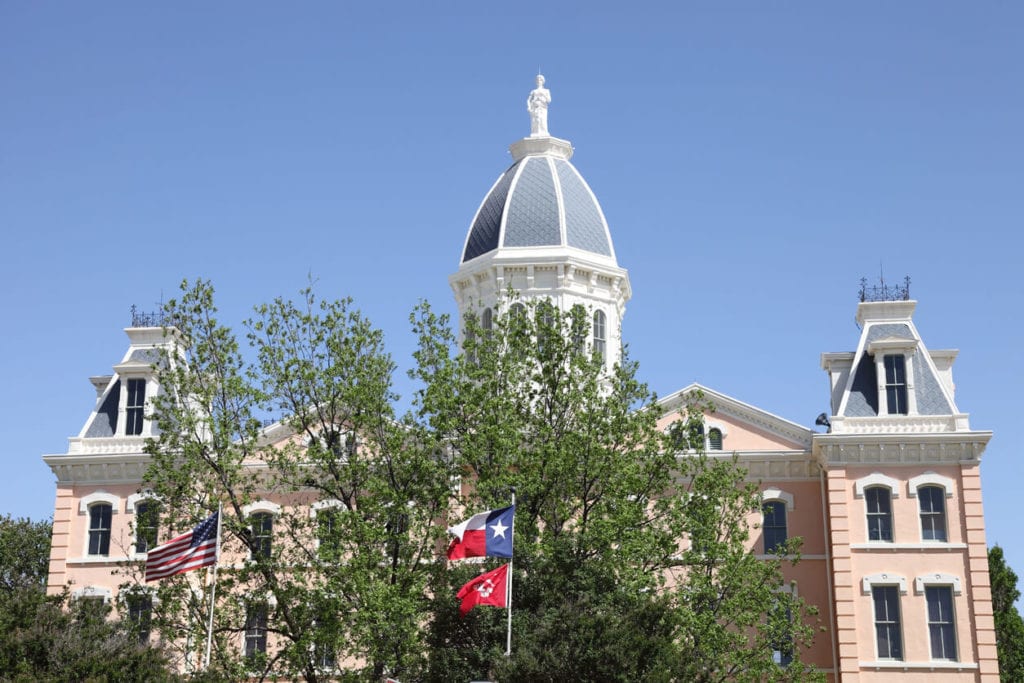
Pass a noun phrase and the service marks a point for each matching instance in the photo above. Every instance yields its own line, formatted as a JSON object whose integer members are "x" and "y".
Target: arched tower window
{"x": 600, "y": 333}
{"x": 714, "y": 439}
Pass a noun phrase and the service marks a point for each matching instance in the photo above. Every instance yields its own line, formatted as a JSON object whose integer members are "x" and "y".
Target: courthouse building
{"x": 885, "y": 493}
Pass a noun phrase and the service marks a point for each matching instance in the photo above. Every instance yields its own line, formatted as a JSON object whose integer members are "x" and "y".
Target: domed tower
{"x": 541, "y": 232}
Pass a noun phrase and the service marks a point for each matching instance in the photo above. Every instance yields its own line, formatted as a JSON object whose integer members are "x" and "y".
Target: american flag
{"x": 197, "y": 548}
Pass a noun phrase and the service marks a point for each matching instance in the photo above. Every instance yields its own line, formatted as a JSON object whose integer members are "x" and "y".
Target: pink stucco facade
{"x": 833, "y": 483}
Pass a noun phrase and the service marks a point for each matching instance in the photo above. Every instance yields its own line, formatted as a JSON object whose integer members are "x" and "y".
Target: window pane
{"x": 256, "y": 630}
{"x": 887, "y": 622}
{"x": 135, "y": 407}
{"x": 99, "y": 529}
{"x": 879, "y": 513}
{"x": 600, "y": 336}
{"x": 146, "y": 526}
{"x": 774, "y": 526}
{"x": 140, "y": 612}
{"x": 896, "y": 384}
{"x": 941, "y": 629}
{"x": 262, "y": 534}
{"x": 933, "y": 513}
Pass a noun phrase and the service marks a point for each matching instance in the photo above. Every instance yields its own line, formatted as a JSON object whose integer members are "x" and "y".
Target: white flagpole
{"x": 508, "y": 581}
{"x": 213, "y": 595}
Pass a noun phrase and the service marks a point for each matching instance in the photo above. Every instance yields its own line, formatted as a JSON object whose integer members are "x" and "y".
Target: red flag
{"x": 197, "y": 548}
{"x": 487, "y": 589}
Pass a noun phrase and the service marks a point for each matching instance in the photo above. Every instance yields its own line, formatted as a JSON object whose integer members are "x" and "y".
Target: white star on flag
{"x": 499, "y": 529}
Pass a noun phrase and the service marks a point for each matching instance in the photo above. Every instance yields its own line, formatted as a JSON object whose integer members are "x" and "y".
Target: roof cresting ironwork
{"x": 884, "y": 291}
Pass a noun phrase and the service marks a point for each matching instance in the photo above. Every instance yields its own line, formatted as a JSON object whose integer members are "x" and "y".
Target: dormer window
{"x": 894, "y": 369}
{"x": 135, "y": 407}
{"x": 896, "y": 383}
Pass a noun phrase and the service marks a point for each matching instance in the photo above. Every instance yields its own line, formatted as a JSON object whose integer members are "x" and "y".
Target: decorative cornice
{"x": 98, "y": 469}
{"x": 900, "y": 449}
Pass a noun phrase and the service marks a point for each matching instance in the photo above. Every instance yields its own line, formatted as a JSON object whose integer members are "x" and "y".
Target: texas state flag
{"x": 488, "y": 534}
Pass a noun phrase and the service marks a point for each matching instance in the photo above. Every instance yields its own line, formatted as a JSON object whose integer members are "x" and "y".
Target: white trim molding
{"x": 930, "y": 479}
{"x": 778, "y": 494}
{"x": 327, "y": 504}
{"x": 261, "y": 506}
{"x": 876, "y": 479}
{"x": 884, "y": 579}
{"x": 99, "y": 497}
{"x": 137, "y": 498}
{"x": 937, "y": 579}
{"x": 92, "y": 592}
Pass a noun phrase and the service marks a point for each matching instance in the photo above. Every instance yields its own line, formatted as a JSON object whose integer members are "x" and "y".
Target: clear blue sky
{"x": 754, "y": 160}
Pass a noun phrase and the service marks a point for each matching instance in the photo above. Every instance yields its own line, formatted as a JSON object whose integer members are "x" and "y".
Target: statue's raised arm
{"x": 537, "y": 104}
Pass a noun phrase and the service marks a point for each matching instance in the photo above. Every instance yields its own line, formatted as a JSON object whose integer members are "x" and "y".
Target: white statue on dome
{"x": 537, "y": 104}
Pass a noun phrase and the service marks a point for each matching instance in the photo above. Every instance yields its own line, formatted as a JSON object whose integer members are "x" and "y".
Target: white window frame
{"x": 940, "y": 580}
{"x": 261, "y": 506}
{"x": 876, "y": 479}
{"x": 907, "y": 348}
{"x": 930, "y": 479}
{"x": 84, "y": 506}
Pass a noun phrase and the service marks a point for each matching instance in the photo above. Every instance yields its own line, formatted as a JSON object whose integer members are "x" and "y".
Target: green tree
{"x": 348, "y": 583}
{"x": 603, "y": 589}
{"x": 1009, "y": 625}
{"x": 52, "y": 638}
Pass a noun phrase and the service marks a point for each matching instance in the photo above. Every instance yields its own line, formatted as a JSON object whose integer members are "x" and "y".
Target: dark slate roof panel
{"x": 928, "y": 392}
{"x": 533, "y": 208}
{"x": 105, "y": 422}
{"x": 147, "y": 355}
{"x": 585, "y": 229}
{"x": 863, "y": 400}
{"x": 483, "y": 236}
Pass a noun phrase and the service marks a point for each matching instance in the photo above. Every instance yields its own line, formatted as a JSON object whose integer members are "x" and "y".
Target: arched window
{"x": 147, "y": 523}
{"x": 99, "y": 528}
{"x": 600, "y": 333}
{"x": 255, "y": 629}
{"x": 262, "y": 534}
{"x": 487, "y": 321}
{"x": 879, "y": 513}
{"x": 714, "y": 439}
{"x": 328, "y": 527}
{"x": 774, "y": 525}
{"x": 933, "y": 513}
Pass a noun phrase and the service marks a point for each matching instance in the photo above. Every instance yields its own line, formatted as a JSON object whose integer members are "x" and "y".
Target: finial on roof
{"x": 537, "y": 104}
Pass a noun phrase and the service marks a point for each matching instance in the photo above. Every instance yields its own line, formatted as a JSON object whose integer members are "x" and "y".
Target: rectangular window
{"x": 933, "y": 513}
{"x": 896, "y": 384}
{"x": 147, "y": 515}
{"x": 774, "y": 525}
{"x": 255, "y": 630}
{"x": 262, "y": 534}
{"x": 782, "y": 645}
{"x": 99, "y": 529}
{"x": 879, "y": 503}
{"x": 135, "y": 407}
{"x": 328, "y": 529}
{"x": 888, "y": 638}
{"x": 140, "y": 613}
{"x": 941, "y": 630}
{"x": 600, "y": 333}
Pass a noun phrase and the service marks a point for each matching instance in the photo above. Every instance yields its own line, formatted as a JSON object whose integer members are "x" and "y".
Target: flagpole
{"x": 213, "y": 596}
{"x": 508, "y": 581}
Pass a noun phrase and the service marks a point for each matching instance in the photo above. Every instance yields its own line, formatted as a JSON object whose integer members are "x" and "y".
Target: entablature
{"x": 900, "y": 449}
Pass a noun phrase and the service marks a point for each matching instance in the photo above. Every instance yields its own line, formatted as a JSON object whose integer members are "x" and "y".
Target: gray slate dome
{"x": 540, "y": 201}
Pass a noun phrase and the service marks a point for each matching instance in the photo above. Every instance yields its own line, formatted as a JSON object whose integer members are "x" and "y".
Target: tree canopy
{"x": 631, "y": 558}
{"x": 1009, "y": 624}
